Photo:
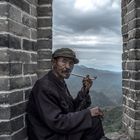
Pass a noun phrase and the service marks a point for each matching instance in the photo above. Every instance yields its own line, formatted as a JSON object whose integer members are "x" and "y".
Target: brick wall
{"x": 25, "y": 51}
{"x": 131, "y": 67}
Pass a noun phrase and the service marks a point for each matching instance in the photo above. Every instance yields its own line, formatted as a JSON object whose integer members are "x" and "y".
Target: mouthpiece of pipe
{"x": 94, "y": 78}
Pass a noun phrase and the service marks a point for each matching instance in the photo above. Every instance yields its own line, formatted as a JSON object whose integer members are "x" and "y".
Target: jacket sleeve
{"x": 82, "y": 101}
{"x": 52, "y": 115}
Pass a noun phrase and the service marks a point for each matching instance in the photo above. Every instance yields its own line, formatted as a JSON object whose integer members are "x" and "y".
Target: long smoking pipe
{"x": 94, "y": 78}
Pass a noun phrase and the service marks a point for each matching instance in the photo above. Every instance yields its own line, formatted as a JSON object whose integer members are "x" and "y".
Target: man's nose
{"x": 68, "y": 65}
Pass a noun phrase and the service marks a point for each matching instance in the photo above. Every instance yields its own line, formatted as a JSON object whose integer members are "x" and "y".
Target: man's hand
{"x": 87, "y": 83}
{"x": 96, "y": 112}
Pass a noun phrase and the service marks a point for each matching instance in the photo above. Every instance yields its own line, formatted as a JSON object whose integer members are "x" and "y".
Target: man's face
{"x": 63, "y": 67}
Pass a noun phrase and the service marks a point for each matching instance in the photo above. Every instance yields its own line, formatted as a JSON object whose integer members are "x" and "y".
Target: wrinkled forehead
{"x": 61, "y": 58}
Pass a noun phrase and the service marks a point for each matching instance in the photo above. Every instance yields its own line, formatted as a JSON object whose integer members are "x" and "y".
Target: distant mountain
{"x": 106, "y": 89}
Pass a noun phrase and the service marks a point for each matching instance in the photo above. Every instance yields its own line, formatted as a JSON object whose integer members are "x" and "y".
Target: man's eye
{"x": 64, "y": 61}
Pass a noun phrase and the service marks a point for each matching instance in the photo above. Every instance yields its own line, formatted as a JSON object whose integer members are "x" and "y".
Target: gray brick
{"x": 21, "y": 135}
{"x": 5, "y": 128}
{"x": 125, "y": 47}
{"x": 21, "y": 4}
{"x": 124, "y": 12}
{"x": 124, "y": 65}
{"x": 133, "y": 24}
{"x": 125, "y": 75}
{"x": 134, "y": 55}
{"x": 29, "y": 45}
{"x": 4, "y": 69}
{"x": 27, "y": 94}
{"x": 137, "y": 13}
{"x": 34, "y": 79}
{"x": 19, "y": 56}
{"x": 125, "y": 56}
{"x": 33, "y": 11}
{"x": 34, "y": 57}
{"x": 4, "y": 40}
{"x": 15, "y": 68}
{"x": 135, "y": 75}
{"x": 14, "y": 42}
{"x": 29, "y": 68}
{"x": 133, "y": 66}
{"x": 44, "y": 44}
{"x": 131, "y": 16}
{"x": 135, "y": 85}
{"x": 135, "y": 95}
{"x": 20, "y": 82}
{"x": 44, "y": 11}
{"x": 3, "y": 25}
{"x": 4, "y": 84}
{"x": 3, "y": 10}
{"x": 131, "y": 6}
{"x": 33, "y": 34}
{"x": 29, "y": 21}
{"x": 123, "y": 3}
{"x": 125, "y": 37}
{"x": 124, "y": 29}
{"x": 41, "y": 73}
{"x": 134, "y": 34}
{"x": 4, "y": 56}
{"x": 126, "y": 92}
{"x": 46, "y": 22}
{"x": 126, "y": 83}
{"x": 5, "y": 137}
{"x": 18, "y": 29}
{"x": 44, "y": 54}
{"x": 45, "y": 33}
{"x": 18, "y": 109}
{"x": 17, "y": 124}
{"x": 130, "y": 113}
{"x": 11, "y": 98}
{"x": 11, "y": 126}
{"x": 134, "y": 44}
{"x": 43, "y": 65}
{"x": 5, "y": 113}
{"x": 14, "y": 14}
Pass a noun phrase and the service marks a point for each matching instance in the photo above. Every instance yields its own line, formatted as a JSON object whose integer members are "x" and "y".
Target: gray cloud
{"x": 94, "y": 35}
{"x": 92, "y": 22}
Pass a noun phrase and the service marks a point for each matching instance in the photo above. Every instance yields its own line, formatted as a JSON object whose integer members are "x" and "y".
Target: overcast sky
{"x": 92, "y": 28}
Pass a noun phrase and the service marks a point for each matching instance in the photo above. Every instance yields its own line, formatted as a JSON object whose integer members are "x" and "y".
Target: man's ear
{"x": 53, "y": 61}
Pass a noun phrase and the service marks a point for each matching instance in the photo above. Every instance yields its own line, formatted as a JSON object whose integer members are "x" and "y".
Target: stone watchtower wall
{"x": 131, "y": 67}
{"x": 25, "y": 52}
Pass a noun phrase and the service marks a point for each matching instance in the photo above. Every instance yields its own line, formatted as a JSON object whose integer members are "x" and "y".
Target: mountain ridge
{"x": 108, "y": 84}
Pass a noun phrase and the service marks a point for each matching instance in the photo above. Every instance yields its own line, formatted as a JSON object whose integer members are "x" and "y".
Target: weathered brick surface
{"x": 29, "y": 45}
{"x": 25, "y": 51}
{"x": 44, "y": 54}
{"x": 44, "y": 11}
{"x": 131, "y": 67}
{"x": 44, "y": 2}
{"x": 11, "y": 98}
{"x": 44, "y": 44}
{"x": 45, "y": 33}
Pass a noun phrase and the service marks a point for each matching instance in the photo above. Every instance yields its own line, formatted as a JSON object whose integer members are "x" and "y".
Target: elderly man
{"x": 53, "y": 114}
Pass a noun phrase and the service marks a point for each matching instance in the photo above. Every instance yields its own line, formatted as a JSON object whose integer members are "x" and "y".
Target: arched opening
{"x": 93, "y": 29}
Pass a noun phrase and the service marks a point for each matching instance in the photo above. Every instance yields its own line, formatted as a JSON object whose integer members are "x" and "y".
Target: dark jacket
{"x": 52, "y": 113}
